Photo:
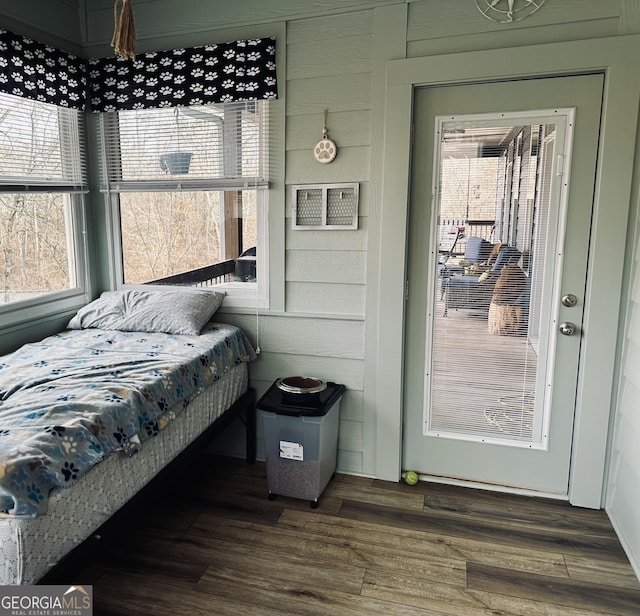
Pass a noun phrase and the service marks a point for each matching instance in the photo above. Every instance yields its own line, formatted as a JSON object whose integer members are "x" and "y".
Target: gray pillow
{"x": 171, "y": 312}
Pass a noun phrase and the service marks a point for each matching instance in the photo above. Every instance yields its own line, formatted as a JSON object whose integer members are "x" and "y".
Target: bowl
{"x": 301, "y": 389}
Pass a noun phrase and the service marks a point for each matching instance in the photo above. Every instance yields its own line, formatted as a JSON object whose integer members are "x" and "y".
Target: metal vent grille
{"x": 325, "y": 206}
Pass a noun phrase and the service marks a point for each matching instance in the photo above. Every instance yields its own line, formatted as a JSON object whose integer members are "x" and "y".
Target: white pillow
{"x": 171, "y": 312}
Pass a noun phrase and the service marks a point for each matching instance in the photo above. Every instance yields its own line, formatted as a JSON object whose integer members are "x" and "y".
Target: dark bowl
{"x": 301, "y": 389}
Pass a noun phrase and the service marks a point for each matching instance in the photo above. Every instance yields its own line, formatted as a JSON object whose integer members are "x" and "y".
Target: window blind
{"x": 489, "y": 342}
{"x": 41, "y": 147}
{"x": 218, "y": 146}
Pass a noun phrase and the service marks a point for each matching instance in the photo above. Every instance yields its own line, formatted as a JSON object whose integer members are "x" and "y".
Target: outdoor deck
{"x": 482, "y": 383}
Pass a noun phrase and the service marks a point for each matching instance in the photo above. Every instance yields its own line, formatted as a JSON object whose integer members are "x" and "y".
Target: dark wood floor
{"x": 216, "y": 545}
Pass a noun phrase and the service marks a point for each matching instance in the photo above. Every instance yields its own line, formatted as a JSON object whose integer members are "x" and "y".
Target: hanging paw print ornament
{"x": 325, "y": 150}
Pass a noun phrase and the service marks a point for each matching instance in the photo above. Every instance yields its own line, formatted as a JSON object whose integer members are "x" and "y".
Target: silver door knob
{"x": 567, "y": 328}
{"x": 569, "y": 300}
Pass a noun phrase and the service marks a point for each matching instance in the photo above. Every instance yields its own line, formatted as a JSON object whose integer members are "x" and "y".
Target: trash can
{"x": 300, "y": 436}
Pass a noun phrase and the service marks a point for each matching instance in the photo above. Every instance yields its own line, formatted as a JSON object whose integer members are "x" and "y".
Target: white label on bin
{"x": 291, "y": 451}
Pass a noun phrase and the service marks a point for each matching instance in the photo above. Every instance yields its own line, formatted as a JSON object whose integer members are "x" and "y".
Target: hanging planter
{"x": 175, "y": 162}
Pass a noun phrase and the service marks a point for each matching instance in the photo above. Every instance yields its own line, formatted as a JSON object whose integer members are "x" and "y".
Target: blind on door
{"x": 486, "y": 349}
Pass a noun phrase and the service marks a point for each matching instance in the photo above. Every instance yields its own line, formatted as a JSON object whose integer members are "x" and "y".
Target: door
{"x": 492, "y": 336}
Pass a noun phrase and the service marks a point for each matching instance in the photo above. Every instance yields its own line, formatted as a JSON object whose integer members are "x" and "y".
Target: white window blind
{"x": 41, "y": 147}
{"x": 489, "y": 343}
{"x": 218, "y": 146}
{"x": 42, "y": 172}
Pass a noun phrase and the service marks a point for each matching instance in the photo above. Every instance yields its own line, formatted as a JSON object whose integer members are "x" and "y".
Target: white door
{"x": 492, "y": 339}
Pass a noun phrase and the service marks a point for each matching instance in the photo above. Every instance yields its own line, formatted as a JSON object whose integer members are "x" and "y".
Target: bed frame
{"x": 244, "y": 409}
{"x": 52, "y": 549}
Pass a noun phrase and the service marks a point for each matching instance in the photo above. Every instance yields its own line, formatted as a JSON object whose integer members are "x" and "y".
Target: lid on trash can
{"x": 281, "y": 402}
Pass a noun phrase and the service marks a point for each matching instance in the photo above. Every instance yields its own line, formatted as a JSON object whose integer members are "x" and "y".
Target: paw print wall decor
{"x": 325, "y": 150}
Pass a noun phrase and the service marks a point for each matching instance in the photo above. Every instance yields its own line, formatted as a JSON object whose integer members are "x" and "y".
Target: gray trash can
{"x": 300, "y": 440}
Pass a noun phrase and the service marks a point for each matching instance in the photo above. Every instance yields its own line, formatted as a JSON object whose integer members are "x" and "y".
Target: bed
{"x": 91, "y": 415}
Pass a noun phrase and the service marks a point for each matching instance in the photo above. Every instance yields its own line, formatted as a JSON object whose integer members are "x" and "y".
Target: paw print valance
{"x": 236, "y": 71}
{"x": 37, "y": 71}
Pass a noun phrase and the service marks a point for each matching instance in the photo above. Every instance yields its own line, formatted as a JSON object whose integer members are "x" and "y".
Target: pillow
{"x": 171, "y": 312}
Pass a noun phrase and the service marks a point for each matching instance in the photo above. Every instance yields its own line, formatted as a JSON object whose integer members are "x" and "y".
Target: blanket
{"x": 68, "y": 402}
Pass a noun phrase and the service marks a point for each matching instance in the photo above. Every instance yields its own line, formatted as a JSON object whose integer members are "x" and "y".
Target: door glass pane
{"x": 491, "y": 293}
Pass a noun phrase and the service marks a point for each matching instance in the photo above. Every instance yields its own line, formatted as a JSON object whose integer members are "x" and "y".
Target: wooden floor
{"x": 480, "y": 380}
{"x": 216, "y": 545}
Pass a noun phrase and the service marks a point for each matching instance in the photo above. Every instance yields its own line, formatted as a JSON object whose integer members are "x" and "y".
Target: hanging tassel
{"x": 124, "y": 33}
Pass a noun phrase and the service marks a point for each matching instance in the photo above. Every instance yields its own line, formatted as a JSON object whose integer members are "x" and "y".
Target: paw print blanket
{"x": 68, "y": 402}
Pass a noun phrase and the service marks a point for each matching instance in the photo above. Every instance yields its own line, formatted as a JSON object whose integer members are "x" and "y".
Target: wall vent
{"x": 325, "y": 206}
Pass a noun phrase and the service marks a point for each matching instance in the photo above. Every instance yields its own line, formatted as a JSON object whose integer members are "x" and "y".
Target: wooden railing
{"x": 477, "y": 228}
{"x": 207, "y": 276}
{"x": 480, "y": 228}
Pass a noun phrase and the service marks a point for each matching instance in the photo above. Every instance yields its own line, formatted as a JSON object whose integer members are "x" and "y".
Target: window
{"x": 42, "y": 177}
{"x": 187, "y": 187}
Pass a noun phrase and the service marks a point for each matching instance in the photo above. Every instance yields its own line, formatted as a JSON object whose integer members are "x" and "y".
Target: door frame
{"x": 617, "y": 59}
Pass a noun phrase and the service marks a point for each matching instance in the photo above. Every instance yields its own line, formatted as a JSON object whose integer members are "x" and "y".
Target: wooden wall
{"x": 448, "y": 27}
{"x": 323, "y": 319}
{"x": 317, "y": 325}
{"x": 56, "y": 22}
{"x": 623, "y": 494}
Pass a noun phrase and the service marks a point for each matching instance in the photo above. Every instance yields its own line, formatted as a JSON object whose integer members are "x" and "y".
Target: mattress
{"x": 29, "y": 547}
{"x": 70, "y": 401}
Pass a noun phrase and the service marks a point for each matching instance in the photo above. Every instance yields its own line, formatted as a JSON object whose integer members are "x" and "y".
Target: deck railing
{"x": 477, "y": 228}
{"x": 206, "y": 276}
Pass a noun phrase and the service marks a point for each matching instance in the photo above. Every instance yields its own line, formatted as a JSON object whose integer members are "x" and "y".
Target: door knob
{"x": 567, "y": 328}
{"x": 569, "y": 300}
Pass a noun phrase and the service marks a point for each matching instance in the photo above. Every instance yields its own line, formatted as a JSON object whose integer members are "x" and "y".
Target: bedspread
{"x": 68, "y": 402}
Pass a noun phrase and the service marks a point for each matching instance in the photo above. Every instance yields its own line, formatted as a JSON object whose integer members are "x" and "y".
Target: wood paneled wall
{"x": 326, "y": 323}
{"x": 56, "y": 22}
{"x": 623, "y": 494}
{"x": 448, "y": 27}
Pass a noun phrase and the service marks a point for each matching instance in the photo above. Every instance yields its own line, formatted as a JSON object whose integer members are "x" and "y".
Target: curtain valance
{"x": 40, "y": 72}
{"x": 236, "y": 71}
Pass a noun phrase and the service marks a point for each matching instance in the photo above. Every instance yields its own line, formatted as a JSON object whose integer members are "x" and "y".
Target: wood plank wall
{"x": 56, "y": 22}
{"x": 331, "y": 62}
{"x": 623, "y": 494}
{"x": 447, "y": 27}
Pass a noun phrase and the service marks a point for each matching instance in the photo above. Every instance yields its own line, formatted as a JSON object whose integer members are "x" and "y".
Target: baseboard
{"x": 633, "y": 558}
